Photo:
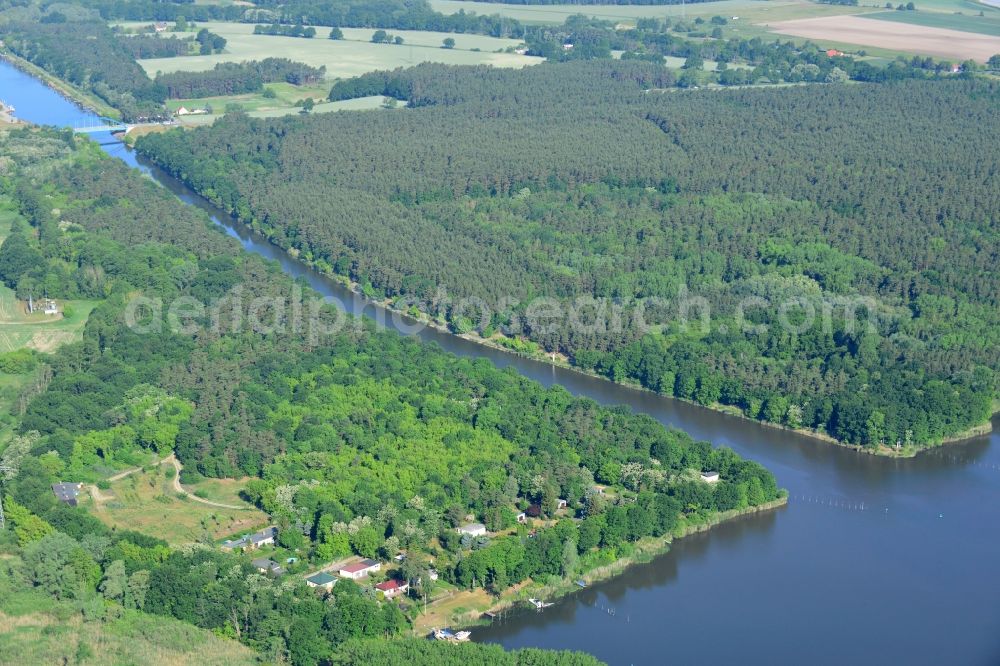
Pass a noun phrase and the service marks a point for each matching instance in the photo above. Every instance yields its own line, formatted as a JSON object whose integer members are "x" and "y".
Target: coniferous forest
{"x": 587, "y": 180}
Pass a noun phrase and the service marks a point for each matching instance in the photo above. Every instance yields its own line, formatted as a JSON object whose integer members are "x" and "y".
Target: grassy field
{"x": 39, "y": 331}
{"x": 257, "y": 106}
{"x": 18, "y": 329}
{"x": 988, "y": 24}
{"x": 36, "y": 629}
{"x": 352, "y": 56}
{"x": 226, "y": 491}
{"x": 146, "y": 502}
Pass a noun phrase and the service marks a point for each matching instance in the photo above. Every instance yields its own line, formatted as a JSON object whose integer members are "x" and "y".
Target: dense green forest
{"x": 363, "y": 442}
{"x": 228, "y": 78}
{"x": 582, "y": 180}
{"x": 296, "y": 30}
{"x": 150, "y": 46}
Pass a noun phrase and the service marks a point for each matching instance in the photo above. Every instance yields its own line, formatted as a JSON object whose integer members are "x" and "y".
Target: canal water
{"x": 872, "y": 561}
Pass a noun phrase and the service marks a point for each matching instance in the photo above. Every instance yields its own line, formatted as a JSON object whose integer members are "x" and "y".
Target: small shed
{"x": 267, "y": 566}
{"x": 473, "y": 529}
{"x": 710, "y": 477}
{"x": 322, "y": 580}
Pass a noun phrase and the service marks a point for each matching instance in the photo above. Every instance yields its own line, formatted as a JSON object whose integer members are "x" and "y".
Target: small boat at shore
{"x": 581, "y": 583}
{"x": 449, "y": 635}
{"x": 539, "y": 604}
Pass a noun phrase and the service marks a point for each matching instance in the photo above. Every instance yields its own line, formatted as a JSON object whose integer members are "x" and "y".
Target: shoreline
{"x": 644, "y": 552}
{"x": 83, "y": 99}
{"x": 559, "y": 360}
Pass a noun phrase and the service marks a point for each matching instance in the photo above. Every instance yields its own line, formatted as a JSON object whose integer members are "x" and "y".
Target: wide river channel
{"x": 873, "y": 560}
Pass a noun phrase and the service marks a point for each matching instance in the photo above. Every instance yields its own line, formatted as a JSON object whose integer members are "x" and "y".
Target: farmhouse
{"x": 322, "y": 580}
{"x": 473, "y": 529}
{"x": 265, "y": 537}
{"x": 393, "y": 588}
{"x": 359, "y": 569}
{"x": 264, "y": 565}
{"x": 67, "y": 492}
{"x": 710, "y": 477}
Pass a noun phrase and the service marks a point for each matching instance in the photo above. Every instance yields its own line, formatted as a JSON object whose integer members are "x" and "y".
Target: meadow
{"x": 257, "y": 106}
{"x": 147, "y": 502}
{"x": 352, "y": 56}
{"x": 36, "y": 629}
{"x": 39, "y": 331}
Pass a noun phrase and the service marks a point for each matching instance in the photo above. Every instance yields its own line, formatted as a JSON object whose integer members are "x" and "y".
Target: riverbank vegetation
{"x": 581, "y": 180}
{"x": 362, "y": 443}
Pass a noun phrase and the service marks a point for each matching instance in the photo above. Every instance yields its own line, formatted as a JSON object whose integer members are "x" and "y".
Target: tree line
{"x": 238, "y": 78}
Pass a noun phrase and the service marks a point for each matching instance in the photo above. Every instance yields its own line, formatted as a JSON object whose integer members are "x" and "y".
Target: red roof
{"x": 390, "y": 585}
{"x": 359, "y": 566}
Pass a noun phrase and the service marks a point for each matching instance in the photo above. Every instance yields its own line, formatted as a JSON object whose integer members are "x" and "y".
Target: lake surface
{"x": 872, "y": 561}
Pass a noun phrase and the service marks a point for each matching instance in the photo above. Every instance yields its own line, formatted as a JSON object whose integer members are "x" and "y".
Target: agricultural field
{"x": 918, "y": 39}
{"x": 746, "y": 10}
{"x": 349, "y": 57}
{"x": 148, "y": 502}
{"x": 766, "y": 19}
{"x": 988, "y": 24}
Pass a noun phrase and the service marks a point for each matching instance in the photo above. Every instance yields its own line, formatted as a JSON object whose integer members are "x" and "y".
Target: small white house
{"x": 522, "y": 517}
{"x": 473, "y": 529}
{"x": 50, "y": 307}
{"x": 562, "y": 504}
{"x": 710, "y": 477}
{"x": 393, "y": 588}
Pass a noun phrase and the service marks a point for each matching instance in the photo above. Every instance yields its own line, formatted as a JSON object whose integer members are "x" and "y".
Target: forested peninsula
{"x": 857, "y": 221}
{"x": 361, "y": 443}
